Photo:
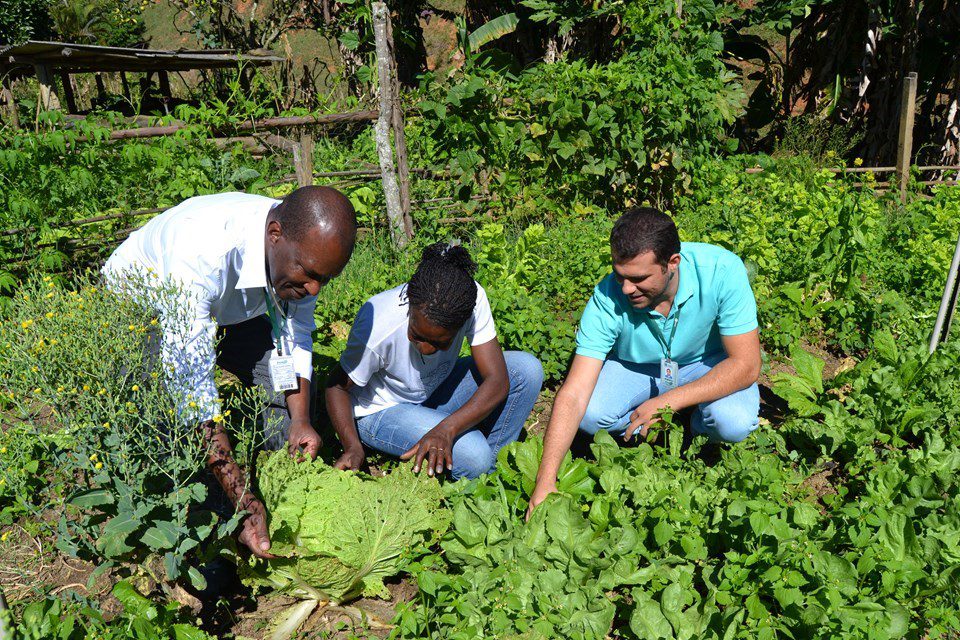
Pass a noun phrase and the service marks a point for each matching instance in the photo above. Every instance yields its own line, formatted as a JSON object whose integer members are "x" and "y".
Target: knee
{"x": 730, "y": 423}
{"x": 472, "y": 461}
{"x": 524, "y": 370}
{"x": 595, "y": 419}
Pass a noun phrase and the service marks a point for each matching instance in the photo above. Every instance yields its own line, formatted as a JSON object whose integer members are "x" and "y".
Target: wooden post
{"x": 399, "y": 137}
{"x": 303, "y": 159}
{"x": 126, "y": 87}
{"x": 48, "y": 88}
{"x": 68, "y": 92}
{"x": 9, "y": 101}
{"x": 163, "y": 81}
{"x": 398, "y": 231}
{"x": 908, "y": 105}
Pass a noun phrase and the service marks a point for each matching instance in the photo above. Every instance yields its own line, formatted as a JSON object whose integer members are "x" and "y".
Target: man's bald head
{"x": 322, "y": 208}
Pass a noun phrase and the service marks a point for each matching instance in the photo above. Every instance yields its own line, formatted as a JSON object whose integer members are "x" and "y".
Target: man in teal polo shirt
{"x": 673, "y": 325}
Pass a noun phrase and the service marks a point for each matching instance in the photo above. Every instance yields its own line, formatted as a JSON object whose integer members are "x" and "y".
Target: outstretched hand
{"x": 436, "y": 447}
{"x": 253, "y": 533}
{"x": 645, "y": 416}
{"x": 303, "y": 437}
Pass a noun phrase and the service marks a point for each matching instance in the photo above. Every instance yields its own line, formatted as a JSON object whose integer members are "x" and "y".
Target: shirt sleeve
{"x": 358, "y": 360}
{"x": 300, "y": 327}
{"x": 600, "y": 324}
{"x": 737, "y": 308}
{"x": 482, "y": 330}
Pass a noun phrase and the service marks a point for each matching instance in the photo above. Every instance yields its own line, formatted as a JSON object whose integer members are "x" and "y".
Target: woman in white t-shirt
{"x": 401, "y": 387}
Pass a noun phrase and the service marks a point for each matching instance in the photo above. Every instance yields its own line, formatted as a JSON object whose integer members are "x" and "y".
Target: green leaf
{"x": 492, "y": 30}
{"x": 647, "y": 621}
{"x": 91, "y": 498}
{"x": 162, "y": 535}
{"x": 663, "y": 533}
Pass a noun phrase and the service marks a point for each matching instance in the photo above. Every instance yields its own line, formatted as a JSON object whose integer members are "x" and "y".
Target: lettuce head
{"x": 338, "y": 534}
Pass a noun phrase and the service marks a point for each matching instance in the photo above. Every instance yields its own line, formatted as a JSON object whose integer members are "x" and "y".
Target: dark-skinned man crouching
{"x": 249, "y": 268}
{"x": 674, "y": 325}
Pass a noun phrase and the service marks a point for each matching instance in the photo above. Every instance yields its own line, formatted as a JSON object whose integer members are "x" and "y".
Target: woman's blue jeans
{"x": 624, "y": 386}
{"x": 396, "y": 429}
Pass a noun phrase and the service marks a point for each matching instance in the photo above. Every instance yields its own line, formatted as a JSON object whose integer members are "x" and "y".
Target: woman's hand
{"x": 436, "y": 447}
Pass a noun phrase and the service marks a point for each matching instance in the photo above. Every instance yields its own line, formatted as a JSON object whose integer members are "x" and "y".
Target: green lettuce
{"x": 339, "y": 534}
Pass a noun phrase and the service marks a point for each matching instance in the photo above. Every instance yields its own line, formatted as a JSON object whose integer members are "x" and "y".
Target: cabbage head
{"x": 338, "y": 534}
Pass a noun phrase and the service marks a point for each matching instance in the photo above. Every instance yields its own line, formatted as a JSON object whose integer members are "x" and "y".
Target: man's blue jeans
{"x": 624, "y": 386}
{"x": 396, "y": 429}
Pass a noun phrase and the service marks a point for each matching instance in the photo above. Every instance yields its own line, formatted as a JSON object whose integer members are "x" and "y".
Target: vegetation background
{"x": 533, "y": 124}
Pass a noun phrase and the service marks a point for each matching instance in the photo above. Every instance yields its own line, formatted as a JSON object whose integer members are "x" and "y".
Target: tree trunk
{"x": 391, "y": 188}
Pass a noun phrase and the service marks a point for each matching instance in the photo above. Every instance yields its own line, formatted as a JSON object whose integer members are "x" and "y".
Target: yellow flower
{"x": 49, "y": 314}
{"x": 106, "y": 425}
{"x": 831, "y": 153}
{"x": 98, "y": 466}
{"x": 136, "y": 387}
{"x": 3, "y": 449}
{"x": 86, "y": 387}
{"x": 218, "y": 418}
{"x": 153, "y": 322}
{"x": 93, "y": 457}
{"x": 26, "y": 324}
{"x": 101, "y": 392}
{"x": 4, "y": 536}
{"x": 59, "y": 389}
{"x": 132, "y": 327}
{"x": 49, "y": 295}
{"x": 858, "y": 162}
{"x": 154, "y": 375}
{"x": 37, "y": 390}
{"x": 192, "y": 405}
{"x": 46, "y": 278}
{"x": 50, "y": 284}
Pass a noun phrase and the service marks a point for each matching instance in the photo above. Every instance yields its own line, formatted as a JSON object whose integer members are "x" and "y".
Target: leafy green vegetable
{"x": 339, "y": 534}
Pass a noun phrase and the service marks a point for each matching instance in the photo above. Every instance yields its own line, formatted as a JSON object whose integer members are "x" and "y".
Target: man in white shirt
{"x": 254, "y": 265}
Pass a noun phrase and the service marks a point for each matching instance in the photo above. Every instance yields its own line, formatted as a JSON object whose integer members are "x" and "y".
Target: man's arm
{"x": 568, "y": 409}
{"x": 436, "y": 446}
{"x": 228, "y": 473}
{"x": 340, "y": 410}
{"x": 737, "y": 371}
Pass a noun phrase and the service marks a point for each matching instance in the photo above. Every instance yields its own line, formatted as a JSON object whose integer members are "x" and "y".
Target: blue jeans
{"x": 396, "y": 429}
{"x": 624, "y": 386}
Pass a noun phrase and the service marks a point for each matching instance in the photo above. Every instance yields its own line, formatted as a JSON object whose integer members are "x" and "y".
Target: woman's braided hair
{"x": 443, "y": 288}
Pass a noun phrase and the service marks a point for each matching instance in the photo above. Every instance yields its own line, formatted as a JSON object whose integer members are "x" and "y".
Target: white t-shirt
{"x": 386, "y": 367}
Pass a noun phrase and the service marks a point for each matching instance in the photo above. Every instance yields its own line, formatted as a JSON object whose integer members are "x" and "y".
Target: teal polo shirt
{"x": 713, "y": 299}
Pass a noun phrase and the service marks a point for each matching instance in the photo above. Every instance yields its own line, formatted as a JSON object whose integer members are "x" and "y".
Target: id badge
{"x": 282, "y": 374}
{"x": 669, "y": 373}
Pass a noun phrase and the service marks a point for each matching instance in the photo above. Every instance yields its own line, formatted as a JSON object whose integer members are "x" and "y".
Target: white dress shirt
{"x": 212, "y": 249}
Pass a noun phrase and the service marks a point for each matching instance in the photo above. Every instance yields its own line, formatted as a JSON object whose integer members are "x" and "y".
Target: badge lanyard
{"x": 282, "y": 371}
{"x": 276, "y": 317}
{"x": 669, "y": 369}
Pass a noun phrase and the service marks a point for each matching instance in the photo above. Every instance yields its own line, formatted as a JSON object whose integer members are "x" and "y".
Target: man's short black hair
{"x": 314, "y": 207}
{"x": 643, "y": 229}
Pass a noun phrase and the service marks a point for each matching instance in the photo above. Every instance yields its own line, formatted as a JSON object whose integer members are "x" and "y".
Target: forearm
{"x": 225, "y": 469}
{"x": 340, "y": 410}
{"x": 490, "y": 393}
{"x": 298, "y": 402}
{"x": 567, "y": 413}
{"x": 728, "y": 376}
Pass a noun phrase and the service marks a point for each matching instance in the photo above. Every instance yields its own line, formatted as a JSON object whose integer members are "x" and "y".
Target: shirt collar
{"x": 253, "y": 271}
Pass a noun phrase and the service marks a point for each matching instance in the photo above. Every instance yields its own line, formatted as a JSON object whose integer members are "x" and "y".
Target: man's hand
{"x": 253, "y": 531}
{"x": 303, "y": 436}
{"x": 351, "y": 460}
{"x": 540, "y": 493}
{"x": 645, "y": 416}
{"x": 436, "y": 447}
